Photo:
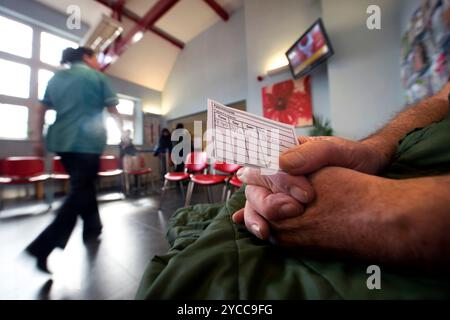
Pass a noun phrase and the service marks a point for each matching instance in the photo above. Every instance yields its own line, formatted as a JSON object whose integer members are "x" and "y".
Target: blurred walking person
{"x": 79, "y": 96}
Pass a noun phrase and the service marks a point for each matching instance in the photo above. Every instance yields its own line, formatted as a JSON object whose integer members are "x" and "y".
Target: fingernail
{"x": 299, "y": 194}
{"x": 256, "y": 230}
{"x": 294, "y": 159}
{"x": 240, "y": 173}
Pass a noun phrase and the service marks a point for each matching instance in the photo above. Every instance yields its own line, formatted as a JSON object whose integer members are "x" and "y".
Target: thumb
{"x": 313, "y": 155}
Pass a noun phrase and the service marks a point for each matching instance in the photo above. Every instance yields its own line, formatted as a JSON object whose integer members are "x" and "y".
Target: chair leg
{"x": 126, "y": 183}
{"x": 181, "y": 189}
{"x": 50, "y": 193}
{"x": 190, "y": 189}
{"x": 1, "y": 197}
{"x": 224, "y": 192}
{"x": 121, "y": 180}
{"x": 210, "y": 197}
{"x": 228, "y": 194}
{"x": 138, "y": 184}
{"x": 163, "y": 191}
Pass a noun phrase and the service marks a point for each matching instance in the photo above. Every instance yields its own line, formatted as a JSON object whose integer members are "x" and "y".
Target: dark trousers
{"x": 82, "y": 200}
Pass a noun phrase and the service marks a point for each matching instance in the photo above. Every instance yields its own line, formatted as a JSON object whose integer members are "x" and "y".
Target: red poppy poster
{"x": 289, "y": 102}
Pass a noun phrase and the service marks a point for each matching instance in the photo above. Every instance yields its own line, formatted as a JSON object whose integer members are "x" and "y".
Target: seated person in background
{"x": 126, "y": 146}
{"x": 330, "y": 199}
{"x": 163, "y": 150}
{"x": 129, "y": 159}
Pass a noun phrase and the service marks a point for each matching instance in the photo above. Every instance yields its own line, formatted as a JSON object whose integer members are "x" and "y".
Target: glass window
{"x": 15, "y": 38}
{"x": 126, "y": 106}
{"x": 128, "y": 125}
{"x": 14, "y": 79}
{"x": 52, "y": 47}
{"x": 43, "y": 77}
{"x": 13, "y": 121}
{"x": 50, "y": 117}
{"x": 112, "y": 131}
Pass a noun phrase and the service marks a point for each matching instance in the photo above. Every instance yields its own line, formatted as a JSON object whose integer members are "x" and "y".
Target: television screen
{"x": 310, "y": 50}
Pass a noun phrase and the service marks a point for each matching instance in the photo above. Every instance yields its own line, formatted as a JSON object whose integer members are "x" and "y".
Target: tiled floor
{"x": 134, "y": 231}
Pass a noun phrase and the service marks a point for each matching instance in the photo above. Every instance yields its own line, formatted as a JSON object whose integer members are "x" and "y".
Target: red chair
{"x": 195, "y": 162}
{"x": 22, "y": 170}
{"x": 58, "y": 172}
{"x": 109, "y": 167}
{"x": 234, "y": 183}
{"x": 212, "y": 179}
{"x": 137, "y": 170}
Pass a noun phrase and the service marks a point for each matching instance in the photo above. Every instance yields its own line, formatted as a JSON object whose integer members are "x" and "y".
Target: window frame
{"x": 35, "y": 65}
{"x": 133, "y": 118}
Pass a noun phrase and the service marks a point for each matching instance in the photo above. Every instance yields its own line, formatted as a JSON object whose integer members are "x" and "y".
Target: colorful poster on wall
{"x": 426, "y": 50}
{"x": 289, "y": 102}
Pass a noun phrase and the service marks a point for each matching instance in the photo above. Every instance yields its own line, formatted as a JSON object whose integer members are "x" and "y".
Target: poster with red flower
{"x": 289, "y": 102}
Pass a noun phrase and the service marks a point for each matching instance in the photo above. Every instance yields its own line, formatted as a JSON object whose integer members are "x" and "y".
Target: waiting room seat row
{"x": 196, "y": 172}
{"x": 31, "y": 170}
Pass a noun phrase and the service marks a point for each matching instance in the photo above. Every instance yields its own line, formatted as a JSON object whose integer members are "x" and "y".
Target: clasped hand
{"x": 313, "y": 192}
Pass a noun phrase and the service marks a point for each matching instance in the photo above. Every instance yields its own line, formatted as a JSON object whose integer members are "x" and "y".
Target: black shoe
{"x": 41, "y": 261}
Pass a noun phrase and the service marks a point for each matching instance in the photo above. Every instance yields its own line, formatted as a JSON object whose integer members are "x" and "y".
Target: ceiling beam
{"x": 148, "y": 20}
{"x": 218, "y": 9}
{"x": 134, "y": 17}
{"x": 166, "y": 36}
{"x": 118, "y": 9}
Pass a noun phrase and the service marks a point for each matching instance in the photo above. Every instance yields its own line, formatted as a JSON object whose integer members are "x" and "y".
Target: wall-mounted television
{"x": 310, "y": 50}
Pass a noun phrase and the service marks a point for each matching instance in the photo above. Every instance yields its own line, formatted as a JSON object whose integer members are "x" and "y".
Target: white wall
{"x": 212, "y": 65}
{"x": 364, "y": 74}
{"x": 271, "y": 28}
{"x": 359, "y": 88}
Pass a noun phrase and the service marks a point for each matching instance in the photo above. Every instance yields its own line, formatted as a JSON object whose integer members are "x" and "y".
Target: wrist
{"x": 414, "y": 239}
{"x": 381, "y": 150}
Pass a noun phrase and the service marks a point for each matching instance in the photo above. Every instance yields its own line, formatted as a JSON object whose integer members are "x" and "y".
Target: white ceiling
{"x": 140, "y": 7}
{"x": 187, "y": 19}
{"x": 147, "y": 62}
{"x": 150, "y": 61}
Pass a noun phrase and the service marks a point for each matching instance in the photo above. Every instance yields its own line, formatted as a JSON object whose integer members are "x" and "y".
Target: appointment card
{"x": 239, "y": 137}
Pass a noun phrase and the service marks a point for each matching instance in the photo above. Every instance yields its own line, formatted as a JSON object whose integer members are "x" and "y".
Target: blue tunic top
{"x": 79, "y": 96}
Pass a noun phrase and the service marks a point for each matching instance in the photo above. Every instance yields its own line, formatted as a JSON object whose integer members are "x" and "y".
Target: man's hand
{"x": 278, "y": 196}
{"x": 367, "y": 217}
{"x": 314, "y": 153}
{"x": 274, "y": 196}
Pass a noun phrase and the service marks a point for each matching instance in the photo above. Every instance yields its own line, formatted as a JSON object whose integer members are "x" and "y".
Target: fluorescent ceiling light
{"x": 138, "y": 36}
{"x": 103, "y": 34}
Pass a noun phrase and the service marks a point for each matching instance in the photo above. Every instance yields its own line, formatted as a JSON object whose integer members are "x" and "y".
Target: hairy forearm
{"x": 416, "y": 216}
{"x": 430, "y": 110}
{"x": 398, "y": 222}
